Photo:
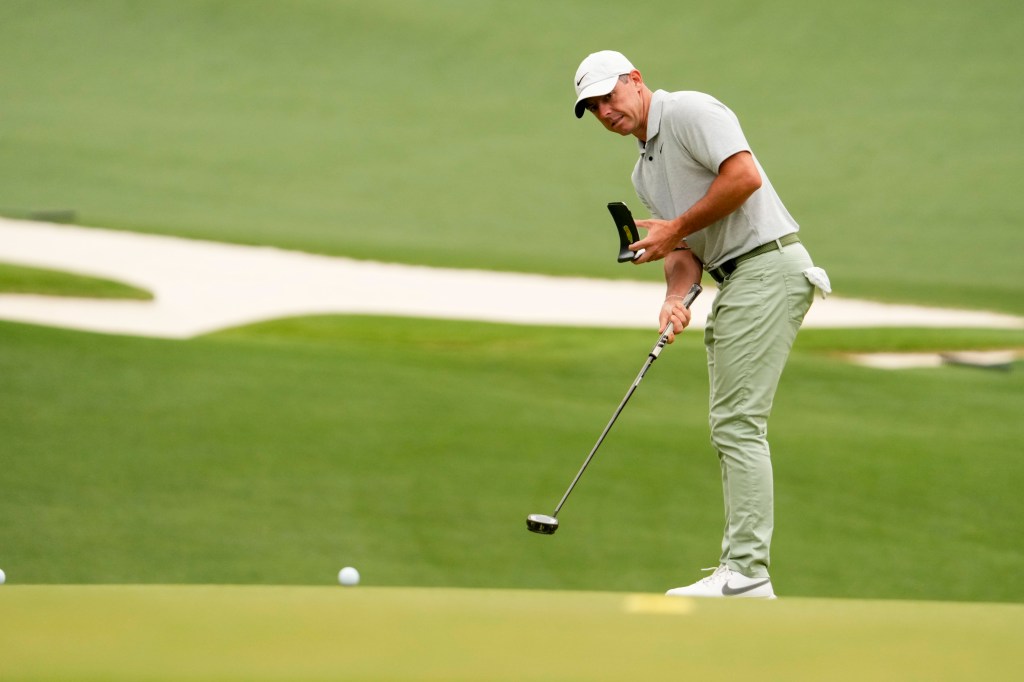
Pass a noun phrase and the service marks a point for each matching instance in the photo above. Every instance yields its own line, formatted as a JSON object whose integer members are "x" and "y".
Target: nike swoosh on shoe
{"x": 733, "y": 591}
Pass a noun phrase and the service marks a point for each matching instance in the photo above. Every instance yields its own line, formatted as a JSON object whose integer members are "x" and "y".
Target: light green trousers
{"x": 750, "y": 331}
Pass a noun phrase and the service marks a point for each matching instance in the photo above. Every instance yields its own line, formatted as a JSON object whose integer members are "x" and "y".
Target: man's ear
{"x": 635, "y": 77}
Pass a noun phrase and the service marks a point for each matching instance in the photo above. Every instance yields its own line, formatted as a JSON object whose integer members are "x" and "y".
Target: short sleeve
{"x": 708, "y": 129}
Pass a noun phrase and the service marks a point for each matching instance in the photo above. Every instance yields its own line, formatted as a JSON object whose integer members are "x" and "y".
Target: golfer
{"x": 715, "y": 210}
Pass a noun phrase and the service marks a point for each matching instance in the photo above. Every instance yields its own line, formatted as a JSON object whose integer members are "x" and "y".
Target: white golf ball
{"x": 3, "y": 576}
{"x": 348, "y": 576}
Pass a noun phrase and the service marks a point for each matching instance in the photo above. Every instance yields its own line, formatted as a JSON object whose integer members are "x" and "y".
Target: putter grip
{"x": 692, "y": 294}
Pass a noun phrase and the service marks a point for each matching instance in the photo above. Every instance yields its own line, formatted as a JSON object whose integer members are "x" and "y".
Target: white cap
{"x": 597, "y": 75}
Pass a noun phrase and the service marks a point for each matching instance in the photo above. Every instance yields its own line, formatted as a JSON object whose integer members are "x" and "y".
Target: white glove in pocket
{"x": 819, "y": 278}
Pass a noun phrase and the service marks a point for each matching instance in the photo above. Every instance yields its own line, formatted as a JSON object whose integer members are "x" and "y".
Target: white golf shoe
{"x": 725, "y": 582}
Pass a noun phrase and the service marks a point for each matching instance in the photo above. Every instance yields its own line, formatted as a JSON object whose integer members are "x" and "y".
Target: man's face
{"x": 621, "y": 110}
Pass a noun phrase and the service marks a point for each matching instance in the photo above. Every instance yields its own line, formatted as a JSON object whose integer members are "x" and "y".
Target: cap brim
{"x": 595, "y": 89}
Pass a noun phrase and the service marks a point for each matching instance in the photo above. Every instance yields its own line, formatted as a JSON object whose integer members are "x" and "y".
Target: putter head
{"x": 626, "y": 228}
{"x": 541, "y": 523}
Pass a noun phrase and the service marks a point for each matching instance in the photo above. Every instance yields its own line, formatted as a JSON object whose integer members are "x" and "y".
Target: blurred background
{"x": 441, "y": 133}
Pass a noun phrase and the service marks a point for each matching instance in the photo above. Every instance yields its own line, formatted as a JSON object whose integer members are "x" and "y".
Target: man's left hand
{"x": 674, "y": 317}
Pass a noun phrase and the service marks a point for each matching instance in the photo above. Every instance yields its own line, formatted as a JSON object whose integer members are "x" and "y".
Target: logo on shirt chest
{"x": 650, "y": 155}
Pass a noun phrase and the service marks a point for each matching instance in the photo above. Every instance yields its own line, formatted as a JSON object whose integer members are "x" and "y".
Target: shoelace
{"x": 720, "y": 572}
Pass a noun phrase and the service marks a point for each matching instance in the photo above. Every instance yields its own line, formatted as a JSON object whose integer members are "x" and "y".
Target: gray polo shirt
{"x": 689, "y": 135}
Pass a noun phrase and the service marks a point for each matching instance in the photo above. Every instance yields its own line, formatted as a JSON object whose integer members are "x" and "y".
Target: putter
{"x": 547, "y": 525}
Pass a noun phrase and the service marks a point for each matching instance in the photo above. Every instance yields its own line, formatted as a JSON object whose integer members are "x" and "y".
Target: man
{"x": 714, "y": 209}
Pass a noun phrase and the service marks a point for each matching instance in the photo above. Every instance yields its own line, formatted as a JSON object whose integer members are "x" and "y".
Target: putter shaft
{"x": 651, "y": 357}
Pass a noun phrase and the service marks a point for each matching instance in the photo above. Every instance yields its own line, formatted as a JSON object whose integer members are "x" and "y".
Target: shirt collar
{"x": 653, "y": 117}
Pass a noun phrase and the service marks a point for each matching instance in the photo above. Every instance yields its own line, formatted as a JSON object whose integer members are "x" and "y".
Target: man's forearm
{"x": 682, "y": 270}
{"x": 737, "y": 179}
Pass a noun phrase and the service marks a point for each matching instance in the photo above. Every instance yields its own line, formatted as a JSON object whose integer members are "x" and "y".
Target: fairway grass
{"x": 891, "y": 130}
{"x": 414, "y": 449}
{"x": 18, "y": 279}
{"x": 276, "y": 633}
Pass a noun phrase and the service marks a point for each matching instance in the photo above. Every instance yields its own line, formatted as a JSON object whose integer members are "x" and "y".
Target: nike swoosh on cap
{"x": 733, "y": 591}
{"x": 581, "y": 78}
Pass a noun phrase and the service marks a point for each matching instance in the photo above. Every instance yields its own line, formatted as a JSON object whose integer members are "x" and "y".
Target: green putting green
{"x": 131, "y": 633}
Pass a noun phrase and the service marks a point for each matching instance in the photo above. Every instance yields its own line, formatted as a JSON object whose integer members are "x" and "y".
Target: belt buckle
{"x": 718, "y": 274}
